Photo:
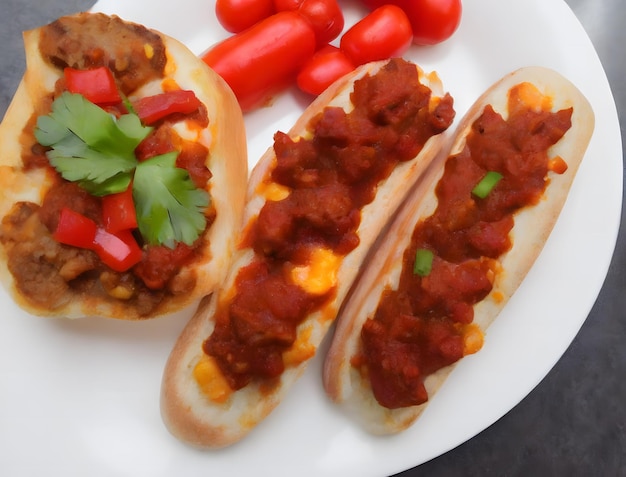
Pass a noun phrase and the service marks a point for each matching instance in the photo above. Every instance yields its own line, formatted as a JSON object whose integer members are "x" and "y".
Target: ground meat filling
{"x": 45, "y": 267}
{"x": 134, "y": 54}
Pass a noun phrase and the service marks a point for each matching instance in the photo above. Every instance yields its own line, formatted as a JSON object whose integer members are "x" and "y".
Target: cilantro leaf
{"x": 88, "y": 145}
{"x": 130, "y": 125}
{"x": 95, "y": 171}
{"x": 169, "y": 207}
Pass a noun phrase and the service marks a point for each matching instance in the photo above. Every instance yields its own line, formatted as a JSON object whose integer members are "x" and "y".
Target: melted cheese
{"x": 473, "y": 339}
{"x": 497, "y": 296}
{"x": 120, "y": 292}
{"x": 169, "y": 84}
{"x": 210, "y": 380}
{"x": 320, "y": 275}
{"x": 148, "y": 51}
{"x": 527, "y": 95}
{"x": 273, "y": 191}
{"x": 300, "y": 351}
{"x": 557, "y": 165}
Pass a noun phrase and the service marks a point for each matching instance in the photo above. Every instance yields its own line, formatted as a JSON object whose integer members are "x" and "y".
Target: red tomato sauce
{"x": 331, "y": 177}
{"x": 418, "y": 328}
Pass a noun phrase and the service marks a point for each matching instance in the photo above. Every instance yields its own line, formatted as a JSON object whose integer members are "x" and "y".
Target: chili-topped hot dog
{"x": 458, "y": 249}
{"x": 316, "y": 202}
{"x": 123, "y": 173}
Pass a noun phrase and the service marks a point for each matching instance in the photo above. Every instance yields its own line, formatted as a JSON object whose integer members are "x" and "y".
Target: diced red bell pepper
{"x": 152, "y": 108}
{"x": 75, "y": 229}
{"x": 118, "y": 251}
{"x": 97, "y": 84}
{"x": 118, "y": 211}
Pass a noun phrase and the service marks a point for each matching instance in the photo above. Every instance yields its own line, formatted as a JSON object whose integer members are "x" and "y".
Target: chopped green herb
{"x": 169, "y": 206}
{"x": 486, "y": 184}
{"x": 90, "y": 147}
{"x": 423, "y": 262}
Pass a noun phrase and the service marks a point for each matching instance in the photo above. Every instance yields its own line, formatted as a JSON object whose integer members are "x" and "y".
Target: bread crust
{"x": 190, "y": 415}
{"x": 227, "y": 161}
{"x": 343, "y": 383}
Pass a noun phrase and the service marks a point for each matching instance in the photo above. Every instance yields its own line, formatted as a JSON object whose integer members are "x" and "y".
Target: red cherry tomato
{"x": 264, "y": 59}
{"x": 326, "y": 18}
{"x": 384, "y": 33}
{"x": 237, "y": 15}
{"x": 286, "y": 5}
{"x": 325, "y": 67}
{"x": 433, "y": 21}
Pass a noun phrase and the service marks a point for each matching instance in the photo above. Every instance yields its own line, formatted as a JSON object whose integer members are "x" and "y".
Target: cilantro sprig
{"x": 92, "y": 148}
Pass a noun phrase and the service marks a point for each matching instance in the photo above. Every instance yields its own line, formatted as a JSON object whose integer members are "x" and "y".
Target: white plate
{"x": 82, "y": 397}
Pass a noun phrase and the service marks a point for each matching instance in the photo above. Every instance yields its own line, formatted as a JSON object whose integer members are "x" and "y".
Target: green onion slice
{"x": 423, "y": 262}
{"x": 486, "y": 184}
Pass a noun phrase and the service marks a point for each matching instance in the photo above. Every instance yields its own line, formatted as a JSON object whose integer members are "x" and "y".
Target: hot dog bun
{"x": 224, "y": 137}
{"x": 188, "y": 412}
{"x": 350, "y": 387}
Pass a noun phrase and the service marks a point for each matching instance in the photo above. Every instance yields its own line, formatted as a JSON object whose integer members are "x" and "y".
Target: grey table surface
{"x": 574, "y": 422}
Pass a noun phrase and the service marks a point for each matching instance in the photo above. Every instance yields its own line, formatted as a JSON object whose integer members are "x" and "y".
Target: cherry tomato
{"x": 383, "y": 33}
{"x": 325, "y": 67}
{"x": 326, "y": 18}
{"x": 286, "y": 5}
{"x": 437, "y": 21}
{"x": 264, "y": 59}
{"x": 237, "y": 15}
{"x": 432, "y": 21}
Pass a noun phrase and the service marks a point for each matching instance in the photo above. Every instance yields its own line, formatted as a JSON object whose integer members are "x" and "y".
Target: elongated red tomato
{"x": 325, "y": 67}
{"x": 432, "y": 21}
{"x": 237, "y": 15}
{"x": 264, "y": 59}
{"x": 326, "y": 18}
{"x": 286, "y": 5}
{"x": 383, "y": 33}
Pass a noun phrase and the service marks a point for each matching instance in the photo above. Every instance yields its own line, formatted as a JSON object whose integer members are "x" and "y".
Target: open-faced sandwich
{"x": 316, "y": 202}
{"x": 458, "y": 249}
{"x": 122, "y": 173}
